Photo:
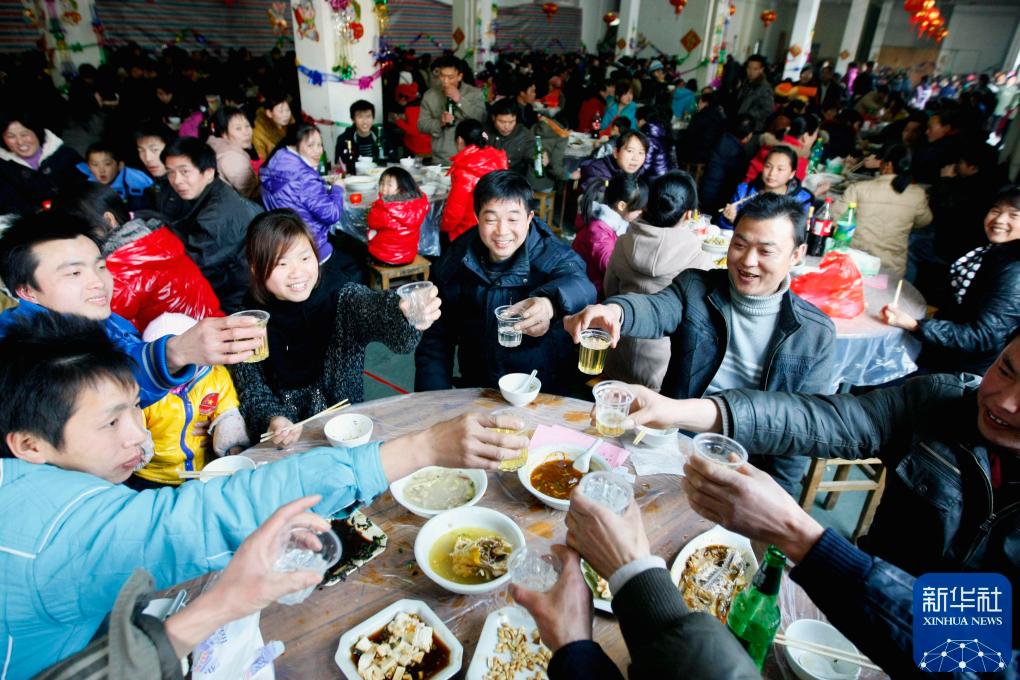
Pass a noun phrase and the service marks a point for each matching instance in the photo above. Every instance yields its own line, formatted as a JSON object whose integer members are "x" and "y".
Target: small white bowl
{"x": 379, "y": 620}
{"x": 348, "y": 430}
{"x": 509, "y": 384}
{"x": 810, "y": 666}
{"x": 230, "y": 464}
{"x": 407, "y": 163}
{"x": 465, "y": 517}
{"x": 654, "y": 437}
{"x": 537, "y": 456}
{"x": 480, "y": 479}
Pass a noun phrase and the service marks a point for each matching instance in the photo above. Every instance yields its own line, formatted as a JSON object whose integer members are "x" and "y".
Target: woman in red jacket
{"x": 417, "y": 142}
{"x": 473, "y": 160}
{"x": 394, "y": 221}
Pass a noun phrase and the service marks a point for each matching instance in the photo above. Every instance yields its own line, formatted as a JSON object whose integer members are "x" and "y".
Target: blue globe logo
{"x": 959, "y": 655}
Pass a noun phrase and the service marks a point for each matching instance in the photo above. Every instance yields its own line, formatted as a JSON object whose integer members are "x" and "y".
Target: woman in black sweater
{"x": 317, "y": 335}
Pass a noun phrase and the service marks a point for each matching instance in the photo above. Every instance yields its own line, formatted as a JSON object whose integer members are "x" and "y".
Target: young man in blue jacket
{"x": 738, "y": 328}
{"x": 951, "y": 501}
{"x": 71, "y": 432}
{"x": 51, "y": 261}
{"x": 510, "y": 259}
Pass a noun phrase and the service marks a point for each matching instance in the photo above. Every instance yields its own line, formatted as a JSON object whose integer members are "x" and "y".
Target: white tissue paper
{"x": 667, "y": 459}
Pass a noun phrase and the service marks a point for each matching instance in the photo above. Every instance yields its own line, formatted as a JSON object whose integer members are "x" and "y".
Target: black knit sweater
{"x": 317, "y": 353}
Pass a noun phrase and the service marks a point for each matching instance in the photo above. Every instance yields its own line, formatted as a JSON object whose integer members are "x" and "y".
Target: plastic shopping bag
{"x": 837, "y": 289}
{"x": 236, "y": 652}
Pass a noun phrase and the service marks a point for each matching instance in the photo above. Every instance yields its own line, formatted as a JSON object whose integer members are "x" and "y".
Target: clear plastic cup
{"x": 612, "y": 406}
{"x": 306, "y": 550}
{"x": 506, "y": 321}
{"x": 607, "y": 488}
{"x": 418, "y": 296}
{"x": 591, "y": 359}
{"x": 719, "y": 449}
{"x": 535, "y": 569}
{"x": 518, "y": 462}
{"x": 262, "y": 317}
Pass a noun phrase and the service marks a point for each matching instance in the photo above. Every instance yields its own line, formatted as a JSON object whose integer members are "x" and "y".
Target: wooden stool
{"x": 814, "y": 483}
{"x": 381, "y": 274}
{"x": 546, "y": 199}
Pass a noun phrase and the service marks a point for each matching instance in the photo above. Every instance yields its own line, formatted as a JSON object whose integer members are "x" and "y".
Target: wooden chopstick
{"x": 722, "y": 209}
{"x": 640, "y": 435}
{"x": 896, "y": 299}
{"x": 339, "y": 406}
{"x": 826, "y": 651}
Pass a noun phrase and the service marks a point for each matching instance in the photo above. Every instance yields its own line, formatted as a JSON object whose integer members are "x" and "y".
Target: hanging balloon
{"x": 610, "y": 19}
{"x": 550, "y": 9}
{"x": 678, "y": 6}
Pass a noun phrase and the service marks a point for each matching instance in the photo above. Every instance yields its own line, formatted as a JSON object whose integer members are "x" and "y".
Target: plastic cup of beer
{"x": 304, "y": 549}
{"x": 513, "y": 464}
{"x": 262, "y": 352}
{"x": 418, "y": 296}
{"x": 607, "y": 488}
{"x": 719, "y": 449}
{"x": 594, "y": 347}
{"x": 506, "y": 322}
{"x": 612, "y": 406}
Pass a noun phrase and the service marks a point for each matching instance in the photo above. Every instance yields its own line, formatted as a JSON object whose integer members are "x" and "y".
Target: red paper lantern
{"x": 678, "y": 6}
{"x": 550, "y": 9}
{"x": 357, "y": 30}
{"x": 767, "y": 17}
{"x": 610, "y": 18}
{"x": 733, "y": 9}
{"x": 912, "y": 6}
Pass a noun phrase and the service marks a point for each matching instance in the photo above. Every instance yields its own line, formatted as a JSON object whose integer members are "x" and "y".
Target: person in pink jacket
{"x": 608, "y": 206}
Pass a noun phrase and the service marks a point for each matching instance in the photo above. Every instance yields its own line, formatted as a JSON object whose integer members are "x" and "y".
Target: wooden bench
{"x": 874, "y": 484}
{"x": 546, "y": 200}
{"x": 382, "y": 275}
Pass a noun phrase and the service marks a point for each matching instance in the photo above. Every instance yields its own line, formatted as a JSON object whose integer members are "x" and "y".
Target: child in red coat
{"x": 473, "y": 160}
{"x": 394, "y": 221}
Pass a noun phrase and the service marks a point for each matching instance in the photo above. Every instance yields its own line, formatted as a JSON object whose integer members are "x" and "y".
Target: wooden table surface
{"x": 312, "y": 629}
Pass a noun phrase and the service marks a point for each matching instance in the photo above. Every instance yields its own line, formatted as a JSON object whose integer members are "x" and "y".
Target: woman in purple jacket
{"x": 290, "y": 180}
{"x": 628, "y": 157}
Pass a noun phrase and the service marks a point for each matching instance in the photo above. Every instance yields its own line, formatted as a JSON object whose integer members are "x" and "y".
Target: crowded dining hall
{"x": 658, "y": 339}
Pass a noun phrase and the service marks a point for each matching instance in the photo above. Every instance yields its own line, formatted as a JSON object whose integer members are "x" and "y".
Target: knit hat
{"x": 655, "y": 66}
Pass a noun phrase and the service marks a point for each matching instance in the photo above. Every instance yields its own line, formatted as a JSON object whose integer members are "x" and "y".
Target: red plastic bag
{"x": 837, "y": 290}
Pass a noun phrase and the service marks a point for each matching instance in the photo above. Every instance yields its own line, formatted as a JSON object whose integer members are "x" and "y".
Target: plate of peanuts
{"x": 509, "y": 648}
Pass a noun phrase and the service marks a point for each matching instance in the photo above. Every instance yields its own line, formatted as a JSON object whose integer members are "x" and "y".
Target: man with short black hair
{"x": 756, "y": 332}
{"x": 210, "y": 217}
{"x": 506, "y": 133}
{"x": 50, "y": 261}
{"x": 359, "y": 139}
{"x": 525, "y": 94}
{"x": 448, "y": 102}
{"x": 755, "y": 96}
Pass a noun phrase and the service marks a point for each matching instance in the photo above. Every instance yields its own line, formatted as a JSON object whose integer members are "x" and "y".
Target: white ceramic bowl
{"x": 810, "y": 666}
{"x": 348, "y": 430}
{"x": 360, "y": 184}
{"x": 537, "y": 456}
{"x": 654, "y": 437}
{"x": 465, "y": 517}
{"x": 379, "y": 620}
{"x": 230, "y": 464}
{"x": 509, "y": 383}
{"x": 407, "y": 163}
{"x": 480, "y": 479}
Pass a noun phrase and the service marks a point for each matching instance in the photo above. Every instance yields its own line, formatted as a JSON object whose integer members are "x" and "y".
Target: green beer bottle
{"x": 754, "y": 616}
{"x": 539, "y": 166}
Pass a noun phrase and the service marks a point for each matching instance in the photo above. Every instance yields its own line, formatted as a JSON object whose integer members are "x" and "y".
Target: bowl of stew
{"x": 549, "y": 475}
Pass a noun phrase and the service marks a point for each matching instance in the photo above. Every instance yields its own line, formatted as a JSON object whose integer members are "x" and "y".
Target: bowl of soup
{"x": 467, "y": 550}
{"x": 549, "y": 474}
{"x": 433, "y": 489}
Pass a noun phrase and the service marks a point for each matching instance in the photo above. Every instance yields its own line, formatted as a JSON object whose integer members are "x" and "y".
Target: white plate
{"x": 602, "y": 604}
{"x": 486, "y": 647}
{"x": 379, "y": 620}
{"x": 717, "y": 535}
{"x": 480, "y": 479}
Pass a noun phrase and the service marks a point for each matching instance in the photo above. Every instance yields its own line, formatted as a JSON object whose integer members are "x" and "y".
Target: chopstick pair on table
{"x": 826, "y": 651}
{"x": 339, "y": 406}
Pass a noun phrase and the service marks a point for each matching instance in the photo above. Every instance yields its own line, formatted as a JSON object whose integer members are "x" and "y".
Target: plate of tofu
{"x": 509, "y": 648}
{"x": 405, "y": 641}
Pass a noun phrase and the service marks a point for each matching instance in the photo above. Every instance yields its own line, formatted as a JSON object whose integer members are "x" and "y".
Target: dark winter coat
{"x": 661, "y": 157}
{"x": 23, "y": 190}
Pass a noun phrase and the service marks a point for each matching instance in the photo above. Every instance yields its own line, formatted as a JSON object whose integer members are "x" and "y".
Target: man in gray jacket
{"x": 739, "y": 328}
{"x": 446, "y": 104}
{"x": 755, "y": 96}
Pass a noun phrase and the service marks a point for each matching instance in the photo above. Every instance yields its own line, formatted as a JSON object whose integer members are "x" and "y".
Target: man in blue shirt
{"x": 51, "y": 261}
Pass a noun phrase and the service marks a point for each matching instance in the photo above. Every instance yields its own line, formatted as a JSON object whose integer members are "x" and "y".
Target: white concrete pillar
{"x": 464, "y": 13}
{"x": 592, "y": 28}
{"x": 79, "y": 44}
{"x": 883, "y": 23}
{"x": 800, "y": 37}
{"x": 485, "y": 35}
{"x": 331, "y": 100}
{"x": 714, "y": 30}
{"x": 630, "y": 12}
{"x": 1012, "y": 61}
{"x": 852, "y": 34}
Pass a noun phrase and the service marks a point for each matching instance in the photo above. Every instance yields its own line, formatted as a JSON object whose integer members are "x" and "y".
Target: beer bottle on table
{"x": 754, "y": 615}
{"x": 845, "y": 228}
{"x": 821, "y": 229}
{"x": 596, "y": 125}
{"x": 381, "y": 144}
{"x": 539, "y": 166}
{"x": 323, "y": 167}
{"x": 451, "y": 107}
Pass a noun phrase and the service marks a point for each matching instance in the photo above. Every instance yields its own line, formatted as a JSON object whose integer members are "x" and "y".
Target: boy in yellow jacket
{"x": 193, "y": 423}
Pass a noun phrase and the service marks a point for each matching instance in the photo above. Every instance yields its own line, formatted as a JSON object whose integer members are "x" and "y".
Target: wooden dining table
{"x": 311, "y": 630}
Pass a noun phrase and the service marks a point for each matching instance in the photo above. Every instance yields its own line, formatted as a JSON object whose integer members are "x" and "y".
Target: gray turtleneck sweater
{"x": 752, "y": 324}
